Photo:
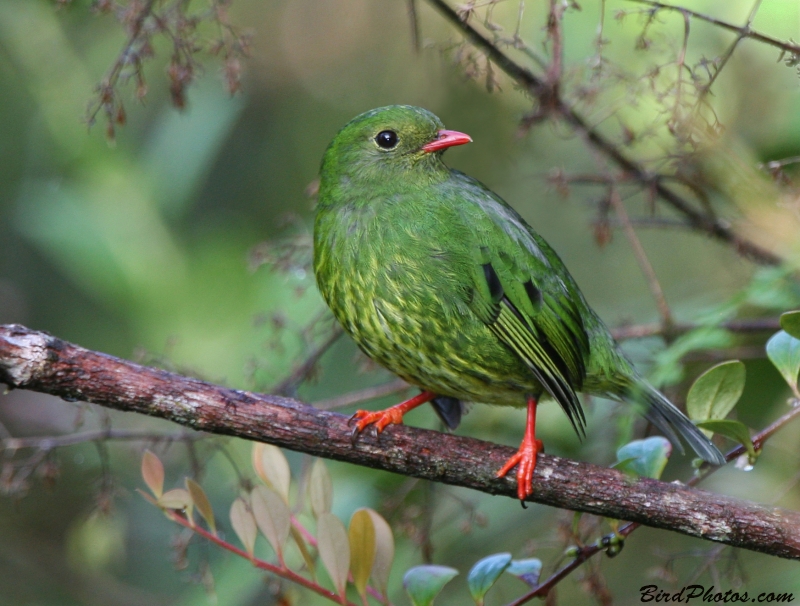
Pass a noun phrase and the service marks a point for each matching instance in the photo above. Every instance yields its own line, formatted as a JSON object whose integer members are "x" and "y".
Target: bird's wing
{"x": 524, "y": 294}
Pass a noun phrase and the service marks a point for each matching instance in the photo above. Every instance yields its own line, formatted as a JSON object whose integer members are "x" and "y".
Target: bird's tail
{"x": 663, "y": 414}
{"x": 450, "y": 410}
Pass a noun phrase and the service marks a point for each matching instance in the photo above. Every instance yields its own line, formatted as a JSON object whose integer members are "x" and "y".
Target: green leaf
{"x": 244, "y": 525}
{"x": 361, "y": 535}
{"x": 202, "y": 503}
{"x": 485, "y": 573}
{"x": 153, "y": 473}
{"x": 646, "y": 457}
{"x": 334, "y": 549}
{"x": 384, "y": 552}
{"x": 272, "y": 467}
{"x": 790, "y": 322}
{"x": 423, "y": 583}
{"x": 177, "y": 498}
{"x": 301, "y": 545}
{"x": 772, "y": 288}
{"x": 735, "y": 430}
{"x": 527, "y": 571}
{"x": 272, "y": 516}
{"x": 783, "y": 350}
{"x": 320, "y": 488}
{"x": 716, "y": 391}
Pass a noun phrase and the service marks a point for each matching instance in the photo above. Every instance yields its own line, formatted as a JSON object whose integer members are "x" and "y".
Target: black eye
{"x": 386, "y": 139}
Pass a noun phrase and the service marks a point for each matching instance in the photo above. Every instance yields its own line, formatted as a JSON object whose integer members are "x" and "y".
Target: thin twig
{"x": 363, "y": 395}
{"x": 282, "y": 571}
{"x": 680, "y": 63}
{"x": 114, "y": 72}
{"x": 640, "y": 331}
{"x": 642, "y": 259}
{"x": 728, "y": 53}
{"x": 51, "y": 442}
{"x": 311, "y": 540}
{"x": 24, "y": 471}
{"x": 775, "y": 164}
{"x": 720, "y": 230}
{"x": 413, "y": 17}
{"x": 744, "y": 352}
{"x": 705, "y": 470}
{"x": 555, "y": 33}
{"x": 745, "y": 31}
{"x": 654, "y": 223}
{"x": 303, "y": 369}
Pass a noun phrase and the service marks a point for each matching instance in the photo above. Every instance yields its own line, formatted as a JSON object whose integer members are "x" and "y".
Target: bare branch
{"x": 586, "y": 552}
{"x": 107, "y": 100}
{"x": 70, "y": 439}
{"x": 653, "y": 330}
{"x": 556, "y": 35}
{"x": 147, "y": 20}
{"x": 641, "y": 257}
{"x": 414, "y": 21}
{"x": 743, "y": 31}
{"x": 282, "y": 571}
{"x": 729, "y": 53}
{"x": 40, "y": 362}
{"x": 306, "y": 366}
{"x": 556, "y": 106}
{"x": 362, "y": 395}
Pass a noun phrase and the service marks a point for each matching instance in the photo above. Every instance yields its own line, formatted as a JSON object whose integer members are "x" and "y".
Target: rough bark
{"x": 40, "y": 362}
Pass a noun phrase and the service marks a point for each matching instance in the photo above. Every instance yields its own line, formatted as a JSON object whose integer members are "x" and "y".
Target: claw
{"x": 525, "y": 462}
{"x": 391, "y": 416}
{"x": 380, "y": 419}
{"x": 354, "y": 434}
{"x": 525, "y": 458}
{"x": 356, "y": 430}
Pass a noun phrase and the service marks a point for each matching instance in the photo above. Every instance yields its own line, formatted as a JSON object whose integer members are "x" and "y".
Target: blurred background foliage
{"x": 152, "y": 247}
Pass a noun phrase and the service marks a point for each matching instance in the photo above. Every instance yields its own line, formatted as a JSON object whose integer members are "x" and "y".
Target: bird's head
{"x": 389, "y": 141}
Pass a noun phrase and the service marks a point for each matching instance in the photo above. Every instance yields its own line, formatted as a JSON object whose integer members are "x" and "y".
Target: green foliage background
{"x": 140, "y": 249}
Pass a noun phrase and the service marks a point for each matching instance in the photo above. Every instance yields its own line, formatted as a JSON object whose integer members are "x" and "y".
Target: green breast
{"x": 403, "y": 300}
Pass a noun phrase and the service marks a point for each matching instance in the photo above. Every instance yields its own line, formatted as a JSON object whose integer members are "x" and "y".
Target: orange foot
{"x": 393, "y": 415}
{"x": 380, "y": 419}
{"x": 525, "y": 459}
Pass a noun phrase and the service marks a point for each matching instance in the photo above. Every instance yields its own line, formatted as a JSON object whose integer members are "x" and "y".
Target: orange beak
{"x": 445, "y": 139}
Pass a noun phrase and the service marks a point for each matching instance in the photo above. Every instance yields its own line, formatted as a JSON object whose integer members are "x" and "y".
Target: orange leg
{"x": 394, "y": 414}
{"x": 526, "y": 455}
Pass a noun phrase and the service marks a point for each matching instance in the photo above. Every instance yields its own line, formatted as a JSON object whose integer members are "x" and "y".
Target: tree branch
{"x": 37, "y": 361}
{"x": 100, "y": 435}
{"x": 551, "y": 102}
{"x": 588, "y": 551}
{"x": 641, "y": 257}
{"x": 743, "y": 31}
{"x": 639, "y": 331}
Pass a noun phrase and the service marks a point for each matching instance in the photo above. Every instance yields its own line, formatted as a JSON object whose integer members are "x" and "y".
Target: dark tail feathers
{"x": 663, "y": 414}
{"x": 449, "y": 410}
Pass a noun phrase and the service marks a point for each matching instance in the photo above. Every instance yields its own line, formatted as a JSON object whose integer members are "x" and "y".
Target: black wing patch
{"x": 534, "y": 294}
{"x": 493, "y": 281}
{"x": 530, "y": 342}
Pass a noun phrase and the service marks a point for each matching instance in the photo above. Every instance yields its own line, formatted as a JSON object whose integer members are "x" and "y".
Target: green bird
{"x": 439, "y": 280}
